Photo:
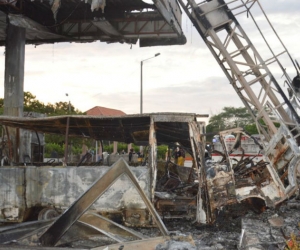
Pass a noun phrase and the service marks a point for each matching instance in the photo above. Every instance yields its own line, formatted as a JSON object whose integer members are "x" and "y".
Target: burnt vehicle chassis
{"x": 140, "y": 196}
{"x": 47, "y": 190}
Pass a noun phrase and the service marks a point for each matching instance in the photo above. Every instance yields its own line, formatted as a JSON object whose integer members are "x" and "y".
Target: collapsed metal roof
{"x": 49, "y": 21}
{"x": 169, "y": 127}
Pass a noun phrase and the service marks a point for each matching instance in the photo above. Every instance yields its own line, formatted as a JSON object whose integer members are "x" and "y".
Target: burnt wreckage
{"x": 139, "y": 194}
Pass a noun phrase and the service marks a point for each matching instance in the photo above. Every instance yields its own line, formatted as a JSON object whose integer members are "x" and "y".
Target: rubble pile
{"x": 249, "y": 230}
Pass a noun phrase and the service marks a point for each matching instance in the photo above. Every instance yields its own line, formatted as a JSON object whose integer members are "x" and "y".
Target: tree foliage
{"x": 31, "y": 104}
{"x": 231, "y": 117}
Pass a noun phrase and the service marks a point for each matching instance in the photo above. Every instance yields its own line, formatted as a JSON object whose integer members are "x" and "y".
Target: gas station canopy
{"x": 52, "y": 21}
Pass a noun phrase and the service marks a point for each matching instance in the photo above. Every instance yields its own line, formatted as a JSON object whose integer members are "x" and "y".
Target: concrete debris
{"x": 157, "y": 243}
{"x": 175, "y": 245}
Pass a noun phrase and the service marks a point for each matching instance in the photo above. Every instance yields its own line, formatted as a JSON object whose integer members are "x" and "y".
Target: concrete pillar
{"x": 14, "y": 87}
{"x": 129, "y": 146}
{"x": 100, "y": 152}
{"x": 115, "y": 147}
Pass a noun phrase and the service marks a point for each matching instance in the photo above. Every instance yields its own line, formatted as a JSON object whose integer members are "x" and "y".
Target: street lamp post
{"x": 67, "y": 134}
{"x": 69, "y": 107}
{"x": 141, "y": 97}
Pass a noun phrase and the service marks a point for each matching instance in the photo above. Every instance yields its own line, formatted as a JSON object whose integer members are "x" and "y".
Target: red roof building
{"x": 102, "y": 111}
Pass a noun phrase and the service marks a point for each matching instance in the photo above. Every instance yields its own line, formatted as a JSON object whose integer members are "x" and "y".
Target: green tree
{"x": 53, "y": 142}
{"x": 31, "y": 104}
{"x": 231, "y": 117}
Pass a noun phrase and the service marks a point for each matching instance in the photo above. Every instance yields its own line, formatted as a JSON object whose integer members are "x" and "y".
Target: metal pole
{"x": 141, "y": 97}
{"x": 67, "y": 135}
{"x": 66, "y": 141}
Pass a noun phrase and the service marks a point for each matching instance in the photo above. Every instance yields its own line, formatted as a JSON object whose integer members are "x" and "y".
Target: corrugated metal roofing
{"x": 169, "y": 127}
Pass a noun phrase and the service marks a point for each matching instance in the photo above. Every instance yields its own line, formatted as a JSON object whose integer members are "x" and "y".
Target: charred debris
{"x": 131, "y": 204}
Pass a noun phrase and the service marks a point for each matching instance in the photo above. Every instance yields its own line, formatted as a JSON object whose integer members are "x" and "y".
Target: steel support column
{"x": 13, "y": 84}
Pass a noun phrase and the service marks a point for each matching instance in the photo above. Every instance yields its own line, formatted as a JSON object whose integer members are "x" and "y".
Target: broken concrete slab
{"x": 157, "y": 243}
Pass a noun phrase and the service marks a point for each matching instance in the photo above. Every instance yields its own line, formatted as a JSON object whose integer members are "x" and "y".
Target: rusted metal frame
{"x": 242, "y": 80}
{"x": 248, "y": 100}
{"x": 284, "y": 71}
{"x": 77, "y": 209}
{"x": 90, "y": 129}
{"x": 219, "y": 7}
{"x": 143, "y": 26}
{"x": 9, "y": 143}
{"x": 104, "y": 225}
{"x": 229, "y": 39}
{"x": 126, "y": 23}
{"x": 258, "y": 79}
{"x": 224, "y": 23}
{"x": 239, "y": 52}
{"x": 93, "y": 224}
{"x": 66, "y": 141}
{"x": 225, "y": 43}
{"x": 244, "y": 5}
{"x": 254, "y": 1}
{"x": 191, "y": 132}
{"x": 71, "y": 26}
{"x": 17, "y": 147}
{"x": 198, "y": 25}
{"x": 238, "y": 62}
{"x": 261, "y": 91}
{"x": 199, "y": 199}
{"x": 39, "y": 141}
{"x": 22, "y": 231}
{"x": 266, "y": 62}
{"x": 195, "y": 18}
{"x": 198, "y": 150}
{"x": 239, "y": 13}
{"x": 272, "y": 96}
{"x": 122, "y": 129}
{"x": 168, "y": 16}
{"x": 224, "y": 145}
{"x": 284, "y": 175}
{"x": 160, "y": 28}
{"x": 226, "y": 4}
{"x": 212, "y": 44}
{"x": 152, "y": 157}
{"x": 248, "y": 103}
{"x": 13, "y": 6}
{"x": 295, "y": 161}
{"x": 247, "y": 8}
{"x": 295, "y": 130}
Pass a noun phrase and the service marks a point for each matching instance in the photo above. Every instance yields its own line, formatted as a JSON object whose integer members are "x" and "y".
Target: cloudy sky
{"x": 183, "y": 78}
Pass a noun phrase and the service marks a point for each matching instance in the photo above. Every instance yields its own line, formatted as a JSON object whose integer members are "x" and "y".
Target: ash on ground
{"x": 237, "y": 228}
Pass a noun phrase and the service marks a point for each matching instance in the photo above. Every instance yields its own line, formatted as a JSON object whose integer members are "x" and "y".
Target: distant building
{"x": 102, "y": 111}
